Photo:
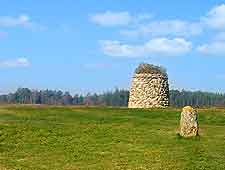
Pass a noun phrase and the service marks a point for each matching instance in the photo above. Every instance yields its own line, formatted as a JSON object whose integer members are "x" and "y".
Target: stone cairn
{"x": 149, "y": 88}
{"x": 189, "y": 122}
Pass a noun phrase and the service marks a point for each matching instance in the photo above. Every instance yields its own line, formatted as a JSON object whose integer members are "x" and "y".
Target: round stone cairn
{"x": 189, "y": 122}
{"x": 150, "y": 87}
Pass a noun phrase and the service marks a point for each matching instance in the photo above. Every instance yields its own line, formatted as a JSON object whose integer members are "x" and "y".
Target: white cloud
{"x": 122, "y": 18}
{"x": 214, "y": 48}
{"x": 109, "y": 18}
{"x": 157, "y": 46}
{"x": 20, "y": 21}
{"x": 8, "y": 21}
{"x": 14, "y": 63}
{"x": 166, "y": 28}
{"x": 216, "y": 17}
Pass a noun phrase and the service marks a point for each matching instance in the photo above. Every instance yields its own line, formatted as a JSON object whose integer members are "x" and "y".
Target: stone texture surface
{"x": 189, "y": 122}
{"x": 149, "y": 90}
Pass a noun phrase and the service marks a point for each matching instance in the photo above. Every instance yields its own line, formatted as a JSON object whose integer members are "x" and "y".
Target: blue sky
{"x": 94, "y": 46}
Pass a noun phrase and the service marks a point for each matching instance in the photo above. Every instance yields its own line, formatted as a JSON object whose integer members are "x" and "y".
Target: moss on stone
{"x": 150, "y": 69}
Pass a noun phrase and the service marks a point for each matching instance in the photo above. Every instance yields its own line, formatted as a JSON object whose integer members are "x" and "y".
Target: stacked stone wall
{"x": 149, "y": 90}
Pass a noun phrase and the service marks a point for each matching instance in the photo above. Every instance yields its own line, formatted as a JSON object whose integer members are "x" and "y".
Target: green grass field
{"x": 70, "y": 138}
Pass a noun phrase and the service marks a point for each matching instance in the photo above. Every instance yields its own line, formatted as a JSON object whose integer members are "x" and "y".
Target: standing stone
{"x": 149, "y": 87}
{"x": 189, "y": 122}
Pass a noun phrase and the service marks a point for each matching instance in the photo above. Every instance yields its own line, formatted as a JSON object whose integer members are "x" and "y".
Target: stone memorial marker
{"x": 189, "y": 122}
{"x": 150, "y": 87}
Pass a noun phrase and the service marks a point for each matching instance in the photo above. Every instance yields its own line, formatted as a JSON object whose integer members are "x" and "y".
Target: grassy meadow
{"x": 78, "y": 138}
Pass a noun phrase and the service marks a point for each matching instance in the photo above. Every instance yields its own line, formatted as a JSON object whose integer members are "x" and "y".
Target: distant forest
{"x": 118, "y": 97}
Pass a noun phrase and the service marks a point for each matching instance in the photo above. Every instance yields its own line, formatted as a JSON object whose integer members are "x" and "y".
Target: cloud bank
{"x": 157, "y": 46}
{"x": 168, "y": 37}
{"x": 166, "y": 28}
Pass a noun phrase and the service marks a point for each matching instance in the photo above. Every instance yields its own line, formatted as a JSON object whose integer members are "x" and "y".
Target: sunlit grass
{"x": 42, "y": 137}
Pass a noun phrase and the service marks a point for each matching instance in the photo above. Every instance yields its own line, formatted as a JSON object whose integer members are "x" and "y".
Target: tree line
{"x": 196, "y": 99}
{"x": 118, "y": 97}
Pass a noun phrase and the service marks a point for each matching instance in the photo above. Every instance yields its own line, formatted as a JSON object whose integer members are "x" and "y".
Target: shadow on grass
{"x": 194, "y": 138}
